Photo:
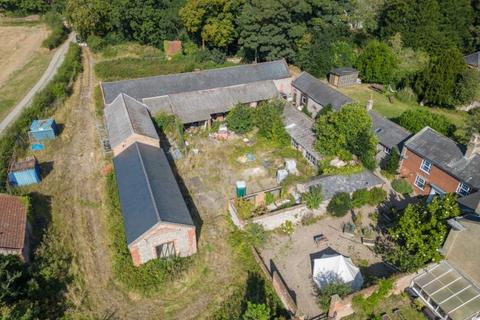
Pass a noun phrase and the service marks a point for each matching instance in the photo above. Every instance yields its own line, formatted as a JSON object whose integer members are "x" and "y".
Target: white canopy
{"x": 331, "y": 268}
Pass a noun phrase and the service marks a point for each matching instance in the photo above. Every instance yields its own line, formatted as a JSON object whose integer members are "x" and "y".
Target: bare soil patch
{"x": 19, "y": 45}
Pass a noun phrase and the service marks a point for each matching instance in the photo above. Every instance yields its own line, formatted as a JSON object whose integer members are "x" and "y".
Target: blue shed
{"x": 25, "y": 172}
{"x": 43, "y": 130}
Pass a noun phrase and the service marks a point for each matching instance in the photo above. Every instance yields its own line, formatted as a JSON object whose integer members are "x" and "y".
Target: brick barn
{"x": 14, "y": 227}
{"x": 435, "y": 164}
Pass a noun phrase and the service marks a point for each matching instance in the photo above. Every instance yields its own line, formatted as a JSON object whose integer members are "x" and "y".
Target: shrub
{"x": 392, "y": 162}
{"x": 269, "y": 198}
{"x": 256, "y": 312}
{"x": 325, "y": 294}
{"x": 417, "y": 119}
{"x": 340, "y": 204}
{"x": 309, "y": 219}
{"x": 313, "y": 198}
{"x": 59, "y": 32}
{"x": 268, "y": 120}
{"x": 287, "y": 227}
{"x": 406, "y": 95}
{"x": 377, "y": 63}
{"x": 360, "y": 198}
{"x": 214, "y": 55}
{"x": 244, "y": 208}
{"x": 402, "y": 186}
{"x": 240, "y": 119}
{"x": 377, "y": 196}
{"x": 256, "y": 234}
{"x": 369, "y": 304}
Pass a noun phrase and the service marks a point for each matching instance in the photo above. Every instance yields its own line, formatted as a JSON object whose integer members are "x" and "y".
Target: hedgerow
{"x": 44, "y": 105}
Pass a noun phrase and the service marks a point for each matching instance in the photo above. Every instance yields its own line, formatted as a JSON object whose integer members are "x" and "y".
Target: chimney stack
{"x": 473, "y": 146}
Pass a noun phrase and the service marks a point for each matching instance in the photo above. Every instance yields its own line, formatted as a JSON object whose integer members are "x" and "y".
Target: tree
{"x": 256, "y": 311}
{"x": 393, "y": 161}
{"x": 211, "y": 21}
{"x": 377, "y": 63}
{"x": 416, "y": 119}
{"x": 438, "y": 82}
{"x": 268, "y": 120}
{"x": 89, "y": 17}
{"x": 456, "y": 21}
{"x": 240, "y": 118}
{"x": 348, "y": 131}
{"x": 419, "y": 233}
{"x": 267, "y": 31}
{"x": 340, "y": 204}
{"x": 467, "y": 87}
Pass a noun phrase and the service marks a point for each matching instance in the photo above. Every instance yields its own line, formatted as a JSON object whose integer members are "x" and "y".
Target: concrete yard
{"x": 292, "y": 256}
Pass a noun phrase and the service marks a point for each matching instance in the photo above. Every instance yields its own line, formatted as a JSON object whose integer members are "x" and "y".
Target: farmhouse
{"x": 14, "y": 235}
{"x": 199, "y": 97}
{"x": 390, "y": 135}
{"x": 314, "y": 95}
{"x": 435, "y": 164}
{"x": 343, "y": 77}
{"x": 157, "y": 221}
{"x": 451, "y": 288}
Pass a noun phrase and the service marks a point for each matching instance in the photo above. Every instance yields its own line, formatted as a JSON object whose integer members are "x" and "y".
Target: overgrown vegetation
{"x": 416, "y": 120}
{"x": 392, "y": 162}
{"x": 313, "y": 198}
{"x": 418, "y": 233}
{"x": 149, "y": 277}
{"x": 340, "y": 204}
{"x": 325, "y": 294}
{"x": 240, "y": 119}
{"x": 373, "y": 197}
{"x": 59, "y": 32}
{"x": 368, "y": 305}
{"x": 347, "y": 132}
{"x": 402, "y": 186}
{"x": 43, "y": 105}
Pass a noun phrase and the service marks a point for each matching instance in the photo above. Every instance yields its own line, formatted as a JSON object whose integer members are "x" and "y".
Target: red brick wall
{"x": 411, "y": 167}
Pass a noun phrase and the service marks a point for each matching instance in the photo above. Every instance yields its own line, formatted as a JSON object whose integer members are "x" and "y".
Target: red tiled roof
{"x": 13, "y": 220}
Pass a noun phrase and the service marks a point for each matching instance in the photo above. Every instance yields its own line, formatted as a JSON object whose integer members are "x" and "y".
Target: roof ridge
{"x": 283, "y": 61}
{"x": 149, "y": 186}
{"x": 394, "y": 123}
{"x": 128, "y": 113}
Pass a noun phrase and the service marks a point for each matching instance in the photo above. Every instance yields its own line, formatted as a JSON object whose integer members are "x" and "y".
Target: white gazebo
{"x": 335, "y": 267}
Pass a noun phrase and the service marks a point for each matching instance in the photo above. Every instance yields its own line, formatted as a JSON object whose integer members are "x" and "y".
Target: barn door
{"x": 166, "y": 250}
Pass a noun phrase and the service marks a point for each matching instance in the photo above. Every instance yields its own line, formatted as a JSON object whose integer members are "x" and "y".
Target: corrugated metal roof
{"x": 389, "y": 133}
{"x": 194, "y": 106}
{"x": 446, "y": 154}
{"x": 320, "y": 92}
{"x": 343, "y": 71}
{"x": 195, "y": 81}
{"x": 125, "y": 116}
{"x": 13, "y": 222}
{"x": 300, "y": 127}
{"x": 149, "y": 192}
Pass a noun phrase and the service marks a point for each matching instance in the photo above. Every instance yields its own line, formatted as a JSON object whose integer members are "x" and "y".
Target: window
{"x": 388, "y": 150}
{"x": 420, "y": 182}
{"x": 463, "y": 189}
{"x": 166, "y": 250}
{"x": 303, "y": 100}
{"x": 426, "y": 166}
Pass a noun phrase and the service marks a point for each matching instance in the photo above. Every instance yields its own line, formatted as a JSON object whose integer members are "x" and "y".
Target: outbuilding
{"x": 343, "y": 77}
{"x": 14, "y": 235}
{"x": 25, "y": 172}
{"x": 43, "y": 130}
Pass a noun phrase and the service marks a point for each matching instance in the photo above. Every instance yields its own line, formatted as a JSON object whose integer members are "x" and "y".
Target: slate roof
{"x": 460, "y": 249}
{"x": 332, "y": 184}
{"x": 193, "y": 81}
{"x": 300, "y": 127}
{"x": 388, "y": 132}
{"x": 320, "y": 92}
{"x": 471, "y": 202}
{"x": 446, "y": 154}
{"x": 473, "y": 59}
{"x": 343, "y": 71}
{"x": 13, "y": 222}
{"x": 125, "y": 117}
{"x": 194, "y": 106}
{"x": 149, "y": 192}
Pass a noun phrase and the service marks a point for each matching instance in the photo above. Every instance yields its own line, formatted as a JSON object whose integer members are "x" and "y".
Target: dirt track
{"x": 18, "y": 46}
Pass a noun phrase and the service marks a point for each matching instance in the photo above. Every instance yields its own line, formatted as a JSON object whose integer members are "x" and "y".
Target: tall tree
{"x": 212, "y": 21}
{"x": 89, "y": 17}
{"x": 438, "y": 82}
{"x": 377, "y": 62}
{"x": 457, "y": 22}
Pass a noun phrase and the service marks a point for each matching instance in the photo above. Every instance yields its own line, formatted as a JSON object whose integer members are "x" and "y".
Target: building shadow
{"x": 45, "y": 168}
{"x": 41, "y": 217}
{"x": 273, "y": 268}
{"x": 60, "y": 128}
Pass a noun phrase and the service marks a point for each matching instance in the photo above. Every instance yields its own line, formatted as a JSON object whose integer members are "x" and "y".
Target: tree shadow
{"x": 41, "y": 216}
{"x": 273, "y": 268}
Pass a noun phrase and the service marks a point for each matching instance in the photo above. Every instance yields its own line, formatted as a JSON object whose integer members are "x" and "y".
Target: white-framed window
{"x": 420, "y": 182}
{"x": 387, "y": 150}
{"x": 426, "y": 166}
{"x": 303, "y": 100}
{"x": 463, "y": 189}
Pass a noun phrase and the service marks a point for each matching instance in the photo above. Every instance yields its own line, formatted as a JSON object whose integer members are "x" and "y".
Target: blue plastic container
{"x": 43, "y": 130}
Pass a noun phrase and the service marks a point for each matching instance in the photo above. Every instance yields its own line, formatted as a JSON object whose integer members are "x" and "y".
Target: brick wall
{"x": 410, "y": 168}
{"x": 184, "y": 238}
